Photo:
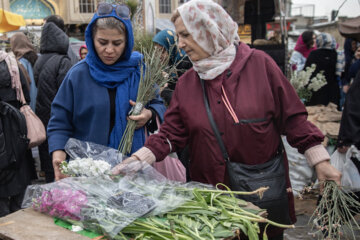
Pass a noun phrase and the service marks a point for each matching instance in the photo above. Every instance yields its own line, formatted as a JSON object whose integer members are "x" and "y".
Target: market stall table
{"x": 28, "y": 224}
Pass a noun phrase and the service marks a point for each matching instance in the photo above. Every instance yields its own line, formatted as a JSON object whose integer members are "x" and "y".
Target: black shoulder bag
{"x": 243, "y": 177}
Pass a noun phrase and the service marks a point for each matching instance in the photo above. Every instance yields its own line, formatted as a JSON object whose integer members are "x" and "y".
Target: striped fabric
{"x": 340, "y": 63}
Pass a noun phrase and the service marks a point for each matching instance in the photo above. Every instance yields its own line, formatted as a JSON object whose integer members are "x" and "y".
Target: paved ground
{"x": 304, "y": 209}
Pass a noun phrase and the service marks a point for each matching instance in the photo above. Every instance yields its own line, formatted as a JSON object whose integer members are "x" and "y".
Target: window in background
{"x": 87, "y": 6}
{"x": 165, "y": 6}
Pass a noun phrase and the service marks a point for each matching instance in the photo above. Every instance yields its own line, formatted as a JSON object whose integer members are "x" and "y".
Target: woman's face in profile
{"x": 187, "y": 43}
{"x": 313, "y": 41}
{"x": 109, "y": 45}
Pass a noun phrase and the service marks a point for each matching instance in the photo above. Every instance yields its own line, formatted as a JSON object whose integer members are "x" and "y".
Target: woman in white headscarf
{"x": 251, "y": 101}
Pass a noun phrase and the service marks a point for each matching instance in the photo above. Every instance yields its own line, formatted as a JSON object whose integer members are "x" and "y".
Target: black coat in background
{"x": 24, "y": 174}
{"x": 350, "y": 122}
{"x": 49, "y": 71}
{"x": 325, "y": 60}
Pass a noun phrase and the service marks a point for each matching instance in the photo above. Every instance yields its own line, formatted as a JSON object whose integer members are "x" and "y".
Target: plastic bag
{"x": 338, "y": 160}
{"x": 300, "y": 172}
{"x": 171, "y": 166}
{"x": 350, "y": 179}
{"x": 107, "y": 206}
{"x": 81, "y": 149}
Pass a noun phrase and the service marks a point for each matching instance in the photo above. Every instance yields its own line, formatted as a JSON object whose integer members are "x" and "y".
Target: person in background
{"x": 49, "y": 72}
{"x": 349, "y": 133}
{"x": 350, "y": 47}
{"x": 25, "y": 53}
{"x": 166, "y": 41}
{"x": 325, "y": 59}
{"x": 12, "y": 191}
{"x": 97, "y": 94}
{"x": 340, "y": 69}
{"x": 83, "y": 51}
{"x": 59, "y": 22}
{"x": 251, "y": 100}
{"x": 304, "y": 45}
{"x": 26, "y": 56}
{"x": 354, "y": 68}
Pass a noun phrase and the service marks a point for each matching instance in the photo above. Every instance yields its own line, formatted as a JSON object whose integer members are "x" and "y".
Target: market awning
{"x": 350, "y": 28}
{"x": 10, "y": 21}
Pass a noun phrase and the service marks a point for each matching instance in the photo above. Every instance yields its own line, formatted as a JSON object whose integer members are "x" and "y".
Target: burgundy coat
{"x": 257, "y": 90}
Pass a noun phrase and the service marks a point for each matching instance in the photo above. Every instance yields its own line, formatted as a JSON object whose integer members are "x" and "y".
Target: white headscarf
{"x": 214, "y": 31}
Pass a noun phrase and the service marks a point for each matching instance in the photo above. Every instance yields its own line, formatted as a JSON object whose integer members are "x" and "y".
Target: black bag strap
{"x": 213, "y": 124}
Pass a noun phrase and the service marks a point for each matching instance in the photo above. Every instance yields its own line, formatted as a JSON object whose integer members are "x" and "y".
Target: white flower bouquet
{"x": 305, "y": 83}
{"x": 86, "y": 167}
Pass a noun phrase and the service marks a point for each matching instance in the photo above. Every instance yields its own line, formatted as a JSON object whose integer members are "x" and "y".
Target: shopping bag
{"x": 35, "y": 128}
{"x": 350, "y": 179}
{"x": 171, "y": 167}
{"x": 338, "y": 159}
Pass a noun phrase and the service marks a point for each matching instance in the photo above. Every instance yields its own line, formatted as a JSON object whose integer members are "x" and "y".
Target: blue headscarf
{"x": 124, "y": 75}
{"x": 166, "y": 38}
{"x": 325, "y": 40}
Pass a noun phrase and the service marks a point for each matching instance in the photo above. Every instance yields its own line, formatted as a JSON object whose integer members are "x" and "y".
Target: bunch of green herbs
{"x": 210, "y": 214}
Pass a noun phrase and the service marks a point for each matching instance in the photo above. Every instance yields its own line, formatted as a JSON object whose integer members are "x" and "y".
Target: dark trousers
{"x": 184, "y": 156}
{"x": 10, "y": 204}
{"x": 46, "y": 162}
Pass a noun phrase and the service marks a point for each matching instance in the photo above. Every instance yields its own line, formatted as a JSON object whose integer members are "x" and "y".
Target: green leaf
{"x": 226, "y": 224}
{"x": 223, "y": 234}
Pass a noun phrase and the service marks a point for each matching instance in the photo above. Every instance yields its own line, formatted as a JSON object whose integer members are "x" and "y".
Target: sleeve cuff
{"x": 145, "y": 154}
{"x": 316, "y": 154}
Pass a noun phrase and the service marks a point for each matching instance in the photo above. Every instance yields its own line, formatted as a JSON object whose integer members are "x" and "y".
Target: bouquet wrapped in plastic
{"x": 142, "y": 203}
{"x": 103, "y": 205}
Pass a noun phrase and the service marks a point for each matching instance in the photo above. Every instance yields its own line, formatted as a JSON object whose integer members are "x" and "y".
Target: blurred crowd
{"x": 339, "y": 64}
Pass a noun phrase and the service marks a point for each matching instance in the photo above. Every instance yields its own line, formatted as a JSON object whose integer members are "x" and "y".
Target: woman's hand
{"x": 132, "y": 163}
{"x": 58, "y": 157}
{"x": 138, "y": 160}
{"x": 142, "y": 118}
{"x": 326, "y": 171}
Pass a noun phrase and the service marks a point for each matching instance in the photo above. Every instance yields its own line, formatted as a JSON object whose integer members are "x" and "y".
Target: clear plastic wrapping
{"x": 81, "y": 149}
{"x": 107, "y": 205}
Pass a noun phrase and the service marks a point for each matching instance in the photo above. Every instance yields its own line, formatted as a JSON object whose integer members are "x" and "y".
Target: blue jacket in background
{"x": 33, "y": 88}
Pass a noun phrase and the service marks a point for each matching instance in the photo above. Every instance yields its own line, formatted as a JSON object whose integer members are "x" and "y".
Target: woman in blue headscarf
{"x": 166, "y": 41}
{"x": 96, "y": 95}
